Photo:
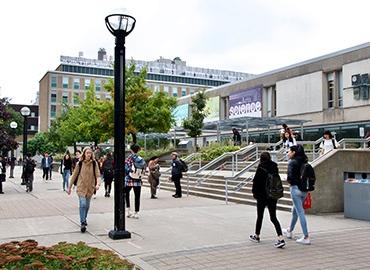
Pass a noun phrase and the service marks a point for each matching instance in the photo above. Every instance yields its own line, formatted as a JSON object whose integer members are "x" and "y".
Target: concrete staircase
{"x": 213, "y": 186}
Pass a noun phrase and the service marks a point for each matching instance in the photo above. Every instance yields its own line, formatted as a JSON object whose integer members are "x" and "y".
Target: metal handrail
{"x": 362, "y": 141}
{"x": 227, "y": 154}
{"x": 247, "y": 168}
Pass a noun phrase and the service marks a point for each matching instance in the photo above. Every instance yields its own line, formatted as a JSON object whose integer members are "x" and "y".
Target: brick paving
{"x": 329, "y": 250}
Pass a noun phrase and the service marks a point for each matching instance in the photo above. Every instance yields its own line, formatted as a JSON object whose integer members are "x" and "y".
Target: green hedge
{"x": 215, "y": 150}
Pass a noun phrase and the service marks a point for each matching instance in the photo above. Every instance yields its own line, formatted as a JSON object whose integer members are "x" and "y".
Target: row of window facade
{"x": 149, "y": 76}
{"x": 76, "y": 83}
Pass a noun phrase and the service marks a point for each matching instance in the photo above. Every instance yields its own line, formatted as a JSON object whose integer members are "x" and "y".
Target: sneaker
{"x": 303, "y": 241}
{"x": 129, "y": 214}
{"x": 279, "y": 244}
{"x": 153, "y": 197}
{"x": 136, "y": 215}
{"x": 288, "y": 234}
{"x": 254, "y": 238}
{"x": 83, "y": 228}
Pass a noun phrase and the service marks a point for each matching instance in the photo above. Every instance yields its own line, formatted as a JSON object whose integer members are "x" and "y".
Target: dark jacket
{"x": 67, "y": 163}
{"x": 294, "y": 169}
{"x": 176, "y": 168}
{"x": 259, "y": 180}
{"x": 43, "y": 162}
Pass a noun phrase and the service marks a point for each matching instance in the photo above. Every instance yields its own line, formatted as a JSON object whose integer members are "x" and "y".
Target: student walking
{"x": 153, "y": 177}
{"x": 2, "y": 173}
{"x": 176, "y": 174}
{"x": 297, "y": 158}
{"x": 108, "y": 174}
{"x": 329, "y": 143}
{"x": 134, "y": 170}
{"x": 76, "y": 159}
{"x": 66, "y": 169}
{"x": 259, "y": 191}
{"x": 86, "y": 178}
{"x": 288, "y": 141}
{"x": 29, "y": 168}
{"x": 45, "y": 165}
{"x": 12, "y": 166}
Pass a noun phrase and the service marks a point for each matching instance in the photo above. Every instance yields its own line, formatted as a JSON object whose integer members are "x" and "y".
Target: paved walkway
{"x": 187, "y": 233}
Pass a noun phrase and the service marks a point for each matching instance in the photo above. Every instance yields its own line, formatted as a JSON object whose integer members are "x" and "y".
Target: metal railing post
{"x": 232, "y": 165}
{"x": 236, "y": 162}
{"x": 187, "y": 191}
{"x": 226, "y": 191}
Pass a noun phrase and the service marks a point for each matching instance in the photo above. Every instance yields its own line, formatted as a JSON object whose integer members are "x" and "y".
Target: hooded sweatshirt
{"x": 260, "y": 178}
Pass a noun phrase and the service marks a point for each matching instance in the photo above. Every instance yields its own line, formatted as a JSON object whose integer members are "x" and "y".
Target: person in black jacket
{"x": 2, "y": 173}
{"x": 176, "y": 174}
{"x": 297, "y": 158}
{"x": 259, "y": 193}
{"x": 66, "y": 169}
{"x": 108, "y": 173}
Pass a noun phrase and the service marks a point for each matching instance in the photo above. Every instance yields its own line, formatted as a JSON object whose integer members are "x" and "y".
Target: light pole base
{"x": 116, "y": 235}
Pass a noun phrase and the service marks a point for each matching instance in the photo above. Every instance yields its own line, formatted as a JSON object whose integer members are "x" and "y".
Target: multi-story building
{"x": 329, "y": 92}
{"x": 74, "y": 75}
{"x": 32, "y": 119}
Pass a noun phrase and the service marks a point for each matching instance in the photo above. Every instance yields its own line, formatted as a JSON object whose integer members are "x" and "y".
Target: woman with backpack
{"x": 153, "y": 177}
{"x": 86, "y": 177}
{"x": 134, "y": 170}
{"x": 328, "y": 143}
{"x": 297, "y": 159}
{"x": 66, "y": 169}
{"x": 108, "y": 173}
{"x": 266, "y": 168}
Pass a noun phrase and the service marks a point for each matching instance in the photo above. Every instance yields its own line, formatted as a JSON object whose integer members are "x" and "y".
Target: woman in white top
{"x": 329, "y": 143}
{"x": 288, "y": 141}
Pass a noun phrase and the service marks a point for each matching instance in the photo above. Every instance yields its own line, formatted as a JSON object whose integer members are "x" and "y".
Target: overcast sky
{"x": 251, "y": 36}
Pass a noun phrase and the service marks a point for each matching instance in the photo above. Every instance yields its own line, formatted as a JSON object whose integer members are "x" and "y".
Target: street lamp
{"x": 25, "y": 112}
{"x": 13, "y": 126}
{"x": 120, "y": 25}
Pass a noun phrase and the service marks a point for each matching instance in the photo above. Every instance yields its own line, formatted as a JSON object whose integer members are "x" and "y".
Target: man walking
{"x": 176, "y": 174}
{"x": 29, "y": 168}
{"x": 12, "y": 166}
{"x": 45, "y": 164}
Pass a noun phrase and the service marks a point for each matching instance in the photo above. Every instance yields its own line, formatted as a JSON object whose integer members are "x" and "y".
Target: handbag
{"x": 156, "y": 173}
{"x": 307, "y": 203}
{"x": 2, "y": 177}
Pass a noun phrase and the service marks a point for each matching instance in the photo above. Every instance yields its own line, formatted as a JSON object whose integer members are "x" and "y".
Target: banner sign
{"x": 180, "y": 113}
{"x": 246, "y": 103}
{"x": 213, "y": 109}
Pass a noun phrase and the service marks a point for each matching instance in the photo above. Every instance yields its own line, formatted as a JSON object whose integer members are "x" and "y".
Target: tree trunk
{"x": 196, "y": 144}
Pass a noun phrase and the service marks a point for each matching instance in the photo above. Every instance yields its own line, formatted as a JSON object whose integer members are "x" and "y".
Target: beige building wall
{"x": 360, "y": 67}
{"x": 44, "y": 103}
{"x": 300, "y": 94}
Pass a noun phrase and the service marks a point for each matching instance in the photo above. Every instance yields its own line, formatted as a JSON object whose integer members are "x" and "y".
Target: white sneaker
{"x": 303, "y": 241}
{"x": 288, "y": 234}
{"x": 136, "y": 215}
{"x": 129, "y": 213}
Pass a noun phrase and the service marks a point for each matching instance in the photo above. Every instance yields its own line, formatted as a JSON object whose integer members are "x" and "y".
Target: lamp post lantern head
{"x": 13, "y": 125}
{"x": 25, "y": 111}
{"x": 120, "y": 24}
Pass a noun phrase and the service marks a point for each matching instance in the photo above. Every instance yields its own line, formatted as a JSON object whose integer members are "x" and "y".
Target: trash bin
{"x": 357, "y": 197}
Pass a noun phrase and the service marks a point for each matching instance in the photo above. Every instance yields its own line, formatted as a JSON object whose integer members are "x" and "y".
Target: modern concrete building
{"x": 331, "y": 91}
{"x": 75, "y": 74}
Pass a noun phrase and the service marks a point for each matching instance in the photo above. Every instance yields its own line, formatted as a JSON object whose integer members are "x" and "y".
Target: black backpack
{"x": 308, "y": 178}
{"x": 274, "y": 186}
{"x": 79, "y": 171}
{"x": 184, "y": 166}
{"x": 30, "y": 166}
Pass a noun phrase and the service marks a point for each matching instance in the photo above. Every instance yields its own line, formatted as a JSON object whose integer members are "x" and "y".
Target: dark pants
{"x": 45, "y": 173}
{"x": 271, "y": 205}
{"x": 154, "y": 182}
{"x": 137, "y": 191}
{"x": 1, "y": 187}
{"x": 11, "y": 172}
{"x": 108, "y": 183}
{"x": 29, "y": 181}
{"x": 177, "y": 181}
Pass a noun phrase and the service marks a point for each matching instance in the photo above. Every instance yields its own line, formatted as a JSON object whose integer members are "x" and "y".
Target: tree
{"x": 145, "y": 111}
{"x": 194, "y": 123}
{"x": 7, "y": 135}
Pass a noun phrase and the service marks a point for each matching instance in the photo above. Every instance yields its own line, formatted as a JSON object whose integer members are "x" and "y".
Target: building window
{"x": 53, "y": 82}
{"x": 97, "y": 85}
{"x": 32, "y": 127}
{"x": 87, "y": 84}
{"x": 183, "y": 91}
{"x": 174, "y": 93}
{"x": 76, "y": 83}
{"x": 76, "y": 99}
{"x": 97, "y": 96}
{"x": 33, "y": 114}
{"x": 53, "y": 110}
{"x": 166, "y": 89}
{"x": 331, "y": 89}
{"x": 108, "y": 97}
{"x": 53, "y": 98}
{"x": 65, "y": 82}
{"x": 340, "y": 89}
{"x": 65, "y": 98}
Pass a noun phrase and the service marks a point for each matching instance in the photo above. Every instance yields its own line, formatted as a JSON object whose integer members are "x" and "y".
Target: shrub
{"x": 29, "y": 255}
{"x": 215, "y": 150}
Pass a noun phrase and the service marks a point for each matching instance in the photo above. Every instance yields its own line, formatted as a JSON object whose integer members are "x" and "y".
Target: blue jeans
{"x": 84, "y": 208}
{"x": 298, "y": 211}
{"x": 66, "y": 175}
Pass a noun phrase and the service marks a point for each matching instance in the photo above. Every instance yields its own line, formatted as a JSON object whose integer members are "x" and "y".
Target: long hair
{"x": 265, "y": 156}
{"x": 83, "y": 156}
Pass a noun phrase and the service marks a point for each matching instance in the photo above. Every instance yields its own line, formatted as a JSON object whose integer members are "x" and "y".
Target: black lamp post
{"x": 25, "y": 112}
{"x": 120, "y": 25}
{"x": 13, "y": 126}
